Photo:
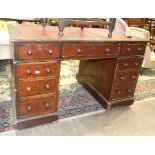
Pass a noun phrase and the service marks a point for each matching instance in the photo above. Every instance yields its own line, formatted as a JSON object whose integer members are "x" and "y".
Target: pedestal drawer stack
{"x": 36, "y": 78}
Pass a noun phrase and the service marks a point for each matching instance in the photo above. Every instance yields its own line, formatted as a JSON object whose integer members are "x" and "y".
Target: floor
{"x": 136, "y": 120}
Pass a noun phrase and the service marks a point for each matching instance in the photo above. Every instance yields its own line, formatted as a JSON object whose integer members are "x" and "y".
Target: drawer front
{"x": 123, "y": 77}
{"x": 77, "y": 50}
{"x": 132, "y": 49}
{"x": 36, "y": 87}
{"x": 36, "y": 106}
{"x": 104, "y": 50}
{"x": 129, "y": 63}
{"x": 32, "y": 70}
{"x": 122, "y": 91}
{"x": 36, "y": 51}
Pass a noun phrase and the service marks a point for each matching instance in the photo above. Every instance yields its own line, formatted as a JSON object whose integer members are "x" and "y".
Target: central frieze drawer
{"x": 106, "y": 50}
{"x": 27, "y": 107}
{"x": 37, "y": 69}
{"x": 33, "y": 51}
{"x": 78, "y": 50}
{"x": 36, "y": 87}
{"x": 90, "y": 50}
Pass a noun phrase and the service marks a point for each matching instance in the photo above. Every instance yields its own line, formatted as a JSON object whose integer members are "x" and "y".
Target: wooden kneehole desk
{"x": 109, "y": 68}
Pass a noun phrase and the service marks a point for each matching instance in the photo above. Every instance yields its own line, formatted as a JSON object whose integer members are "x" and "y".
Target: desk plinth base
{"x": 28, "y": 123}
{"x": 101, "y": 99}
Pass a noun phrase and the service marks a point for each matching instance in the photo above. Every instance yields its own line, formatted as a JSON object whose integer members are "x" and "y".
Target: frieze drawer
{"x": 36, "y": 51}
{"x": 132, "y": 49}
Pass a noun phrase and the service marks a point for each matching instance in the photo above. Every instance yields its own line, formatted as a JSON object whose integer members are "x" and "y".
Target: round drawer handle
{"x": 29, "y": 52}
{"x": 28, "y": 72}
{"x": 107, "y": 49}
{"x": 128, "y": 49}
{"x": 78, "y": 50}
{"x": 50, "y": 51}
{"x": 136, "y": 64}
{"x": 130, "y": 91}
{"x": 28, "y": 89}
{"x": 122, "y": 78}
{"x": 125, "y": 65}
{"x": 47, "y": 86}
{"x": 139, "y": 48}
{"x": 119, "y": 92}
{"x": 29, "y": 108}
{"x": 48, "y": 70}
{"x": 133, "y": 77}
{"x": 46, "y": 105}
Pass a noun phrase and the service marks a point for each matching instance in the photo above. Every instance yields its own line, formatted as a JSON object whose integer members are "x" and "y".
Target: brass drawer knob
{"x": 28, "y": 72}
{"x": 128, "y": 49}
{"x": 29, "y": 52}
{"x": 47, "y": 86}
{"x": 139, "y": 48}
{"x": 122, "y": 78}
{"x": 107, "y": 49}
{"x": 28, "y": 89}
{"x": 46, "y": 105}
{"x": 29, "y": 108}
{"x": 78, "y": 50}
{"x": 50, "y": 51}
{"x": 48, "y": 71}
{"x": 130, "y": 91}
{"x": 125, "y": 65}
{"x": 136, "y": 64}
{"x": 119, "y": 92}
{"x": 133, "y": 77}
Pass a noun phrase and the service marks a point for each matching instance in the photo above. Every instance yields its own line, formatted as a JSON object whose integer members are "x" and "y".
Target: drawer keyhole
{"x": 125, "y": 65}
{"x": 122, "y": 78}
{"x": 128, "y": 49}
{"x": 139, "y": 49}
{"x": 107, "y": 50}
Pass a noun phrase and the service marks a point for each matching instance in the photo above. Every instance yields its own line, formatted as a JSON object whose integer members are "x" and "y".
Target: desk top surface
{"x": 50, "y": 33}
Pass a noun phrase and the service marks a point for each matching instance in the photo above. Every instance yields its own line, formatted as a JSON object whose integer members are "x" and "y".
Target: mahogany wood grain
{"x": 109, "y": 67}
{"x": 99, "y": 73}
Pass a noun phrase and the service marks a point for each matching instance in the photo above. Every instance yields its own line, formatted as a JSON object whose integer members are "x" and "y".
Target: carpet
{"x": 73, "y": 98}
